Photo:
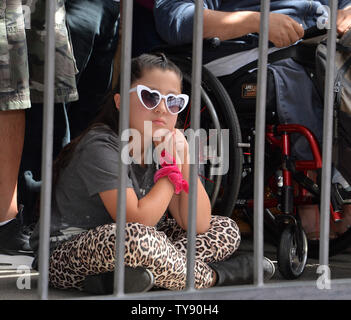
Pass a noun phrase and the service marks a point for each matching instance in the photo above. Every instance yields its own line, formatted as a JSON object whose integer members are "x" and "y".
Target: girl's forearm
{"x": 151, "y": 208}
{"x": 203, "y": 215}
{"x": 148, "y": 210}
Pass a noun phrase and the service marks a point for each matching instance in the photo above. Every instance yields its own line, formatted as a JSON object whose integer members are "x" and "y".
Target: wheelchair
{"x": 287, "y": 183}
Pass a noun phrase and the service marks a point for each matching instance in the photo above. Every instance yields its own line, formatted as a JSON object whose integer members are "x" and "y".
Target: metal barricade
{"x": 48, "y": 133}
{"x": 258, "y": 290}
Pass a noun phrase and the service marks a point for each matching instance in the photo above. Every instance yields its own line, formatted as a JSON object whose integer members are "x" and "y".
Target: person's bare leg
{"x": 12, "y": 128}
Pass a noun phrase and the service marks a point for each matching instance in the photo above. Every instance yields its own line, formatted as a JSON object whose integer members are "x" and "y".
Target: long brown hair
{"x": 108, "y": 114}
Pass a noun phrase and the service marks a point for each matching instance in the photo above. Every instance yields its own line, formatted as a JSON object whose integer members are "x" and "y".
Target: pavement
{"x": 22, "y": 283}
{"x": 340, "y": 264}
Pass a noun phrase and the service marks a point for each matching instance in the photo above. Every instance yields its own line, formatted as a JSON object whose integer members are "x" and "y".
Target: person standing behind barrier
{"x": 21, "y": 83}
{"x": 14, "y": 99}
{"x": 85, "y": 198}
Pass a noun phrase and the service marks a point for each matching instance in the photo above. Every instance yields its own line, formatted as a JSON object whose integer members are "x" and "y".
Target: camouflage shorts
{"x": 22, "y": 57}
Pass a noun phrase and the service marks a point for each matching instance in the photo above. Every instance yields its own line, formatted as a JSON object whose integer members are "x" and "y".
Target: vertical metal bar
{"x": 47, "y": 143}
{"x": 127, "y": 17}
{"x": 327, "y": 138}
{"x": 195, "y": 125}
{"x": 259, "y": 143}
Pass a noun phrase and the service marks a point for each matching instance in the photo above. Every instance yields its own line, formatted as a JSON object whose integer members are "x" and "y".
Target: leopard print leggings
{"x": 162, "y": 251}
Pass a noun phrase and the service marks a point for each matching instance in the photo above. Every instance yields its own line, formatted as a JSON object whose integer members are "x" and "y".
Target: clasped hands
{"x": 175, "y": 144}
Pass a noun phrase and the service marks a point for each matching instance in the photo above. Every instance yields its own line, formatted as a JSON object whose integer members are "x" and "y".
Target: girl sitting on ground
{"x": 85, "y": 197}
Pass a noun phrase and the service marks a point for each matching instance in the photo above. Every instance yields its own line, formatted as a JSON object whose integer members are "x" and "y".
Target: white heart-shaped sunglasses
{"x": 150, "y": 99}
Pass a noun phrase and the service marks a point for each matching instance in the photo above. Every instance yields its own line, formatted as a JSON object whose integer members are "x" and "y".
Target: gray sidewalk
{"x": 340, "y": 266}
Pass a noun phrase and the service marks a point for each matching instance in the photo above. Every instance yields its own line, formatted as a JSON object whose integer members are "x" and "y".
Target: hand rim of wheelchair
{"x": 215, "y": 90}
{"x": 218, "y": 179}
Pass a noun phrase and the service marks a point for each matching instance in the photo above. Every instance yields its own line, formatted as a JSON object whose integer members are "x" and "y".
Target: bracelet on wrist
{"x": 170, "y": 169}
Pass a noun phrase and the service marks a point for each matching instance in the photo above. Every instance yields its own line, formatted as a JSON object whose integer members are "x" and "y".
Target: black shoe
{"x": 136, "y": 280}
{"x": 343, "y": 196}
{"x": 13, "y": 239}
{"x": 238, "y": 269}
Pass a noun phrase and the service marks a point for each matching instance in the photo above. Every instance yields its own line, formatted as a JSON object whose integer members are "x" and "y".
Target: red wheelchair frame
{"x": 295, "y": 189}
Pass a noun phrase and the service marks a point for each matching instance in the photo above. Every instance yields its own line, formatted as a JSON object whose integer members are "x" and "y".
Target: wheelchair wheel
{"x": 217, "y": 112}
{"x": 292, "y": 252}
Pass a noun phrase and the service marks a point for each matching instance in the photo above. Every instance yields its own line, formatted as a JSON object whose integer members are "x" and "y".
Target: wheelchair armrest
{"x": 313, "y": 32}
{"x": 244, "y": 43}
{"x": 213, "y": 48}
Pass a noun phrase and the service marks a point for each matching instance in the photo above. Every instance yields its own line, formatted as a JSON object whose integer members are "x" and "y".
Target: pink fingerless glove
{"x": 170, "y": 169}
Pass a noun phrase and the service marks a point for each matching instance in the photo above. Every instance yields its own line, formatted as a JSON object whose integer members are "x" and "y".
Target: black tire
{"x": 291, "y": 265}
{"x": 224, "y": 191}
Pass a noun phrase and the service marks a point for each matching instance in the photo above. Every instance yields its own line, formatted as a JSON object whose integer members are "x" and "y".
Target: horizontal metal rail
{"x": 289, "y": 290}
